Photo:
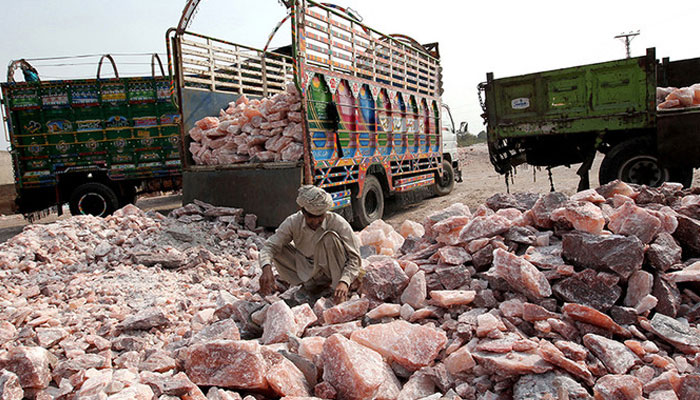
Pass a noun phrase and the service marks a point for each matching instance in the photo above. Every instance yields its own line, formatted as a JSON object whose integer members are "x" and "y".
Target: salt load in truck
{"x": 368, "y": 116}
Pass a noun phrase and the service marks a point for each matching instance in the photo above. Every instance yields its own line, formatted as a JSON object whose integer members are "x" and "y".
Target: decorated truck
{"x": 565, "y": 116}
{"x": 371, "y": 120}
{"x": 91, "y": 143}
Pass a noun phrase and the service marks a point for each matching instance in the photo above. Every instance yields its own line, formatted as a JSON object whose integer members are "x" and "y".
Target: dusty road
{"x": 480, "y": 182}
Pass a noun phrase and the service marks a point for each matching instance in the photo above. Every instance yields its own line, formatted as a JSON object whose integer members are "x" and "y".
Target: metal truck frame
{"x": 371, "y": 106}
{"x": 562, "y": 117}
{"x": 94, "y": 143}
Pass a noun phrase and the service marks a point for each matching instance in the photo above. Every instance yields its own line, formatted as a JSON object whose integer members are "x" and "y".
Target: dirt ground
{"x": 480, "y": 182}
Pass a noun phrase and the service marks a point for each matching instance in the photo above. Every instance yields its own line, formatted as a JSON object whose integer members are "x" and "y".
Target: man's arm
{"x": 273, "y": 245}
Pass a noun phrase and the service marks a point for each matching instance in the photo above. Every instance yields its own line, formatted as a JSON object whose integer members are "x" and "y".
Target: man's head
{"x": 315, "y": 203}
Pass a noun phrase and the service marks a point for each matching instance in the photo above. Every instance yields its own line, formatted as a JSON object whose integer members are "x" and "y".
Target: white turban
{"x": 314, "y": 200}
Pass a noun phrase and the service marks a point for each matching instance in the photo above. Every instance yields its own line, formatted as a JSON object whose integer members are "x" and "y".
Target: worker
{"x": 325, "y": 254}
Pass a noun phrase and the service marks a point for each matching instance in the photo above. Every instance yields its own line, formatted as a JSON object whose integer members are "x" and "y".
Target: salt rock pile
{"x": 89, "y": 306}
{"x": 671, "y": 97}
{"x": 251, "y": 131}
{"x": 527, "y": 297}
{"x": 381, "y": 238}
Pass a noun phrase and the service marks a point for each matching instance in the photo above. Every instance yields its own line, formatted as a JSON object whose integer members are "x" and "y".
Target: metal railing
{"x": 220, "y": 66}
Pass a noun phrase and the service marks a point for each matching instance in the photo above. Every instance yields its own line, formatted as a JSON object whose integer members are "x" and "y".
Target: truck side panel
{"x": 372, "y": 103}
{"x": 590, "y": 98}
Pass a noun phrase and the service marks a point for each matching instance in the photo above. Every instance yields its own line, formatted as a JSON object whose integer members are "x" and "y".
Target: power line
{"x": 627, "y": 38}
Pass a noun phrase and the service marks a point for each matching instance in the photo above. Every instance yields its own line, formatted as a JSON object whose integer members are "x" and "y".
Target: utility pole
{"x": 627, "y": 38}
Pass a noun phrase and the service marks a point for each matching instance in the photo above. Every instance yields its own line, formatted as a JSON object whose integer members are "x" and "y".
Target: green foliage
{"x": 468, "y": 139}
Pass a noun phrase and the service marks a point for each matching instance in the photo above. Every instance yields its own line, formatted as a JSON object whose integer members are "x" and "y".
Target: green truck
{"x": 92, "y": 143}
{"x": 565, "y": 116}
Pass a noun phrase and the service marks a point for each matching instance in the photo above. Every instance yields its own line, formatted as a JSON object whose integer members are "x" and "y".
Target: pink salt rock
{"x": 511, "y": 214}
{"x": 384, "y": 279}
{"x": 690, "y": 273}
{"x": 409, "y": 345}
{"x": 48, "y": 337}
{"x": 618, "y": 359}
{"x": 484, "y": 227}
{"x": 347, "y": 311}
{"x": 583, "y": 216}
{"x": 419, "y": 385}
{"x": 638, "y": 286}
{"x": 520, "y": 274}
{"x": 554, "y": 356}
{"x": 453, "y": 255}
{"x": 207, "y": 123}
{"x": 618, "y": 387}
{"x": 513, "y": 363}
{"x": 410, "y": 268}
{"x": 616, "y": 187}
{"x": 589, "y": 195}
{"x": 345, "y": 329}
{"x": 450, "y": 224}
{"x": 227, "y": 363}
{"x": 303, "y": 317}
{"x": 631, "y": 220}
{"x": 324, "y": 390}
{"x": 162, "y": 384}
{"x": 424, "y": 313}
{"x": 542, "y": 210}
{"x": 449, "y": 298}
{"x": 390, "y": 387}
{"x": 572, "y": 350}
{"x": 591, "y": 316}
{"x": 355, "y": 371}
{"x": 416, "y": 291}
{"x": 279, "y": 323}
{"x": 310, "y": 347}
{"x": 411, "y": 229}
{"x": 459, "y": 361}
{"x": 30, "y": 364}
{"x": 664, "y": 252}
{"x": 10, "y": 388}
{"x": 159, "y": 361}
{"x": 384, "y": 310}
{"x": 533, "y": 313}
{"x": 284, "y": 378}
{"x": 292, "y": 152}
{"x": 487, "y": 323}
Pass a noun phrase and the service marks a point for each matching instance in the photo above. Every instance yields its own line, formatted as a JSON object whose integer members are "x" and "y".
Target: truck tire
{"x": 446, "y": 182}
{"x": 128, "y": 196}
{"x": 635, "y": 161}
{"x": 93, "y": 199}
{"x": 370, "y": 206}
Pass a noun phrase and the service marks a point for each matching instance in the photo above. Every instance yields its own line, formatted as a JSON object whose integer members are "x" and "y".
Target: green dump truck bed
{"x": 563, "y": 116}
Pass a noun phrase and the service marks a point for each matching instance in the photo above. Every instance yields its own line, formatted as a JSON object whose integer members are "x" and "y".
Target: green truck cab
{"x": 91, "y": 143}
{"x": 565, "y": 116}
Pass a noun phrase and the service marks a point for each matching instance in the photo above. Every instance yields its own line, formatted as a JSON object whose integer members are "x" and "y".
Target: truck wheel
{"x": 370, "y": 206}
{"x": 635, "y": 161}
{"x": 93, "y": 199}
{"x": 128, "y": 197}
{"x": 446, "y": 182}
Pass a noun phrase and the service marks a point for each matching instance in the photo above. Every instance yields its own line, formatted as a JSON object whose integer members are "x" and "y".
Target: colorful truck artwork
{"x": 92, "y": 143}
{"x": 371, "y": 104}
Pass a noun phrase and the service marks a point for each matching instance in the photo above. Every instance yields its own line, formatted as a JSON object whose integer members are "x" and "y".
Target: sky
{"x": 505, "y": 37}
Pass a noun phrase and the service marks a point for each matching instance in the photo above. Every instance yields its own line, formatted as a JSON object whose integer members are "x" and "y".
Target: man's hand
{"x": 341, "y": 293}
{"x": 267, "y": 280}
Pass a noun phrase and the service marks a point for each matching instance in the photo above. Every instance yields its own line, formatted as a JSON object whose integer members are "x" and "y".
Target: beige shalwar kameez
{"x": 323, "y": 257}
